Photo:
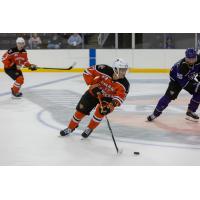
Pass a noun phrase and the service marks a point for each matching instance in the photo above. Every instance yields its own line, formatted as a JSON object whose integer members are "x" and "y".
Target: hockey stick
{"x": 68, "y": 68}
{"x": 109, "y": 127}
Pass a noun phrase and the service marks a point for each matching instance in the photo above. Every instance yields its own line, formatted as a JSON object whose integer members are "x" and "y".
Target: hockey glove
{"x": 106, "y": 108}
{"x": 33, "y": 67}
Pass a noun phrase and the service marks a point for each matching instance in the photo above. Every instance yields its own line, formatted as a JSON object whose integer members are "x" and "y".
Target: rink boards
{"x": 140, "y": 61}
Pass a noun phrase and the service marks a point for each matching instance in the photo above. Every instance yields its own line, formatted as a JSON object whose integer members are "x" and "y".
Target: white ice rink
{"x": 29, "y": 127}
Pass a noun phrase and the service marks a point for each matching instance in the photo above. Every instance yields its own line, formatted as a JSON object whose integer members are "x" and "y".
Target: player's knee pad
{"x": 83, "y": 109}
{"x": 173, "y": 90}
{"x": 86, "y": 103}
{"x": 171, "y": 95}
{"x": 79, "y": 115}
{"x": 20, "y": 80}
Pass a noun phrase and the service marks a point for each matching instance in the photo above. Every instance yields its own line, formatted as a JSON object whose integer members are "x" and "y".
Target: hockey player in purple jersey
{"x": 185, "y": 74}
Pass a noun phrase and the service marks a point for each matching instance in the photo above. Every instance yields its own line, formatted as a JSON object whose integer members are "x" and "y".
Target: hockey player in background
{"x": 185, "y": 74}
{"x": 107, "y": 83}
{"x": 14, "y": 60}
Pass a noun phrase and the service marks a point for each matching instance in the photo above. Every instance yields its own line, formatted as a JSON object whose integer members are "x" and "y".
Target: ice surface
{"x": 29, "y": 131}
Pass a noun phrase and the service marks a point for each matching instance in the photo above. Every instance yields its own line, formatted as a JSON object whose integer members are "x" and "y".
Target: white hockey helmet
{"x": 20, "y": 40}
{"x": 118, "y": 64}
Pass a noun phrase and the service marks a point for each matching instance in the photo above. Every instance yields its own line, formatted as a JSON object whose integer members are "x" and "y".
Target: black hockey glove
{"x": 33, "y": 67}
{"x": 106, "y": 108}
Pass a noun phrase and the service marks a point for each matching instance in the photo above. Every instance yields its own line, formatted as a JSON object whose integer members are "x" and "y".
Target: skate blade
{"x": 191, "y": 119}
{"x": 82, "y": 138}
{"x": 149, "y": 121}
{"x": 13, "y": 97}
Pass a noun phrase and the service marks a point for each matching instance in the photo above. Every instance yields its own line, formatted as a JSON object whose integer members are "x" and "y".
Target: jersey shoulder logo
{"x": 179, "y": 76}
{"x": 10, "y": 51}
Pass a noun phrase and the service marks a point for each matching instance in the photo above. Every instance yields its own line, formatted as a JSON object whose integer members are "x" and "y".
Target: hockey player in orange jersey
{"x": 105, "y": 82}
{"x": 14, "y": 60}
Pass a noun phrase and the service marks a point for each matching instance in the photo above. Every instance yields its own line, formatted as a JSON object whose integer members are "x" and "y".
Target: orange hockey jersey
{"x": 102, "y": 74}
{"x": 14, "y": 57}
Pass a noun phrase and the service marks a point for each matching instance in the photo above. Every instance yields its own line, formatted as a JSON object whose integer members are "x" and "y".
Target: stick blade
{"x": 120, "y": 151}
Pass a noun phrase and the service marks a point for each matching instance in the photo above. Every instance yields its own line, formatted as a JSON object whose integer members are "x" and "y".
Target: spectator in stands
{"x": 54, "y": 43}
{"x": 34, "y": 41}
{"x": 75, "y": 40}
{"x": 158, "y": 43}
{"x": 169, "y": 42}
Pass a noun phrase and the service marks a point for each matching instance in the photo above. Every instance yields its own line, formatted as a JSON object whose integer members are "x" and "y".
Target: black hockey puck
{"x": 136, "y": 153}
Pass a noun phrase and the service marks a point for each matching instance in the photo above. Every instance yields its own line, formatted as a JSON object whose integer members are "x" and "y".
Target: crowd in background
{"x": 91, "y": 40}
{"x": 45, "y": 40}
{"x": 55, "y": 41}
